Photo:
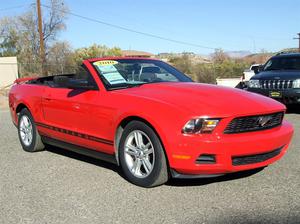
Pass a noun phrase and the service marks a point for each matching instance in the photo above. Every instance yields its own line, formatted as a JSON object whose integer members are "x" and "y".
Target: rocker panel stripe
{"x": 77, "y": 134}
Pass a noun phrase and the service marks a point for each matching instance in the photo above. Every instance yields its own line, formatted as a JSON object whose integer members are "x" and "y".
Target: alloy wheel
{"x": 139, "y": 154}
{"x": 26, "y": 131}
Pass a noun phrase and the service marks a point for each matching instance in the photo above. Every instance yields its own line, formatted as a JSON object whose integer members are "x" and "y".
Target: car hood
{"x": 205, "y": 99}
{"x": 282, "y": 75}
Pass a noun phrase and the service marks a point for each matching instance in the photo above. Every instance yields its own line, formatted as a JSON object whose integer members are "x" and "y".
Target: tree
{"x": 21, "y": 36}
{"x": 221, "y": 66}
{"x": 60, "y": 58}
{"x": 8, "y": 38}
{"x": 204, "y": 73}
{"x": 182, "y": 63}
{"x": 95, "y": 51}
{"x": 219, "y": 56}
{"x": 63, "y": 59}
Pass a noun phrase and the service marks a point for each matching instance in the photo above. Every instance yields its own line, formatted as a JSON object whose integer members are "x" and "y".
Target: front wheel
{"x": 142, "y": 156}
{"x": 28, "y": 134}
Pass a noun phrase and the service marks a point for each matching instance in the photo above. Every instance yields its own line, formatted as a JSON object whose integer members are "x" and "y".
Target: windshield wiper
{"x": 130, "y": 85}
{"x": 126, "y": 86}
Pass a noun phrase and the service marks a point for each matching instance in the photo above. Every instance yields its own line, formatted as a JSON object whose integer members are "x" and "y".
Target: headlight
{"x": 254, "y": 84}
{"x": 296, "y": 83}
{"x": 200, "y": 125}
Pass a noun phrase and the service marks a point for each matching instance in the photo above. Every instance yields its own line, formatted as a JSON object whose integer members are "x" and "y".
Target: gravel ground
{"x": 56, "y": 186}
{"x": 3, "y": 102}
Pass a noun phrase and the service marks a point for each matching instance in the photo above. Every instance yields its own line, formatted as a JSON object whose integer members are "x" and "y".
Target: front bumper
{"x": 288, "y": 96}
{"x": 226, "y": 147}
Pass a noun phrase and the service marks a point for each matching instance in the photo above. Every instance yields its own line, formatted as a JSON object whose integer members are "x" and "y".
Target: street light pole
{"x": 298, "y": 38}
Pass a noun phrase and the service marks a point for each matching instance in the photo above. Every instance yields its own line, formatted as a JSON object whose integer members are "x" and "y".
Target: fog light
{"x": 206, "y": 159}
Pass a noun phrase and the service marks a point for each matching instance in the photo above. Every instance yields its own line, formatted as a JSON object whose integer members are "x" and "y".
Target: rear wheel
{"x": 141, "y": 155}
{"x": 28, "y": 135}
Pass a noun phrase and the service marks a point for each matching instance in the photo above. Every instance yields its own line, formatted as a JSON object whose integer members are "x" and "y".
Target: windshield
{"x": 283, "y": 63}
{"x": 125, "y": 73}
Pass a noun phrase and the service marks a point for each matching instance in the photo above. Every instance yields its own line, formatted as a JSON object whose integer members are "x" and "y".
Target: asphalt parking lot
{"x": 56, "y": 186}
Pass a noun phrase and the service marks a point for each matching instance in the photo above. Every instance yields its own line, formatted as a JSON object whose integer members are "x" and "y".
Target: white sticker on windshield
{"x": 114, "y": 78}
{"x": 109, "y": 71}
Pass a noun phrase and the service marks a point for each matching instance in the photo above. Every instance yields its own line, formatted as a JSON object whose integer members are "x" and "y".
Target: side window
{"x": 254, "y": 68}
{"x": 83, "y": 74}
{"x": 268, "y": 64}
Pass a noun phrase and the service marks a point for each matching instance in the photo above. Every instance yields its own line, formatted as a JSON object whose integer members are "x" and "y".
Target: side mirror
{"x": 79, "y": 84}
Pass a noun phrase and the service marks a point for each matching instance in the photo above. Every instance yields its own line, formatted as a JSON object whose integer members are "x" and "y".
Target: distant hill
{"x": 262, "y": 57}
{"x": 238, "y": 54}
{"x": 134, "y": 53}
{"x": 291, "y": 50}
{"x": 195, "y": 58}
{"x": 246, "y": 56}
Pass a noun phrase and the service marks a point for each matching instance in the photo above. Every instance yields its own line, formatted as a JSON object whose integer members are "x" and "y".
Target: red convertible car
{"x": 150, "y": 119}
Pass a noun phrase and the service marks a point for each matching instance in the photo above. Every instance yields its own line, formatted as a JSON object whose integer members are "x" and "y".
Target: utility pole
{"x": 298, "y": 38}
{"x": 40, "y": 28}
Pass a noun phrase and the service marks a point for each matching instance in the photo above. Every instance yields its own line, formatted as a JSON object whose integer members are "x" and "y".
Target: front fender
{"x": 167, "y": 121}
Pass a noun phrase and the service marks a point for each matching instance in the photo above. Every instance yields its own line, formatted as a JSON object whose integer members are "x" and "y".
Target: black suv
{"x": 279, "y": 78}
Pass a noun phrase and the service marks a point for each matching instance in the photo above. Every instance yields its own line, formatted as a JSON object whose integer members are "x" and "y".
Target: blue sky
{"x": 231, "y": 24}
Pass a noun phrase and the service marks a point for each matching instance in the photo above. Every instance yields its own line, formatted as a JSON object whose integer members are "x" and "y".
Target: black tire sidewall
{"x": 31, "y": 147}
{"x": 158, "y": 151}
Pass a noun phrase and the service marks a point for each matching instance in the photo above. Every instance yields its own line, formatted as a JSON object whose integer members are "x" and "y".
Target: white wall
{"x": 8, "y": 70}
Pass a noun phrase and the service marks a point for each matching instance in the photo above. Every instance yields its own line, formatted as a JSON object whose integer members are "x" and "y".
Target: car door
{"x": 63, "y": 108}
{"x": 59, "y": 110}
{"x": 95, "y": 121}
{"x": 77, "y": 115}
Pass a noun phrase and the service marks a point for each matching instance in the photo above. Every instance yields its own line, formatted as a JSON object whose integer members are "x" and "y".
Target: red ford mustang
{"x": 150, "y": 119}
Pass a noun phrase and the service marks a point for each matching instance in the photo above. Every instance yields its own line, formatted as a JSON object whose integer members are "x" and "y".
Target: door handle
{"x": 76, "y": 106}
{"x": 48, "y": 99}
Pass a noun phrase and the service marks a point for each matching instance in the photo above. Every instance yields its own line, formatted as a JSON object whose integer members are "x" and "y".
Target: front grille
{"x": 258, "y": 158}
{"x": 254, "y": 123}
{"x": 276, "y": 84}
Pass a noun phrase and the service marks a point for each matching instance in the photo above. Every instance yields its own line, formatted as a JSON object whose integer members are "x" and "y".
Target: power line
{"x": 134, "y": 31}
{"x": 13, "y": 7}
{"x": 122, "y": 27}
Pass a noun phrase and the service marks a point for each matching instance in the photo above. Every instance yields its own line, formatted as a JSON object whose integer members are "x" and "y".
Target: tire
{"x": 150, "y": 151}
{"x": 28, "y": 134}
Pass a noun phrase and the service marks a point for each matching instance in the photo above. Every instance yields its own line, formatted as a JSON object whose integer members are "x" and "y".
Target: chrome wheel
{"x": 25, "y": 130}
{"x": 139, "y": 154}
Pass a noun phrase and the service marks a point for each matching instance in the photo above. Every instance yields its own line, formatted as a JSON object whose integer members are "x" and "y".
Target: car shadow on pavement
{"x": 83, "y": 158}
{"x": 171, "y": 182}
{"x": 206, "y": 181}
